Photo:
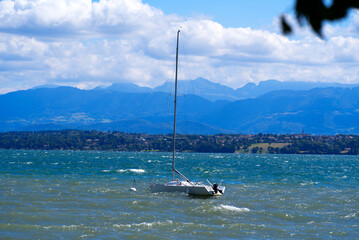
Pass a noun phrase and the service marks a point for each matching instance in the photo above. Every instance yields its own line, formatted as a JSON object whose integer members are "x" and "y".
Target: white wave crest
{"x": 72, "y": 226}
{"x": 144, "y": 224}
{"x": 131, "y": 170}
{"x": 351, "y": 215}
{"x": 232, "y": 208}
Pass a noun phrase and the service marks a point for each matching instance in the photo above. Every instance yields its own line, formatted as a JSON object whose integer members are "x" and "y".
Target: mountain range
{"x": 203, "y": 108}
{"x": 215, "y": 91}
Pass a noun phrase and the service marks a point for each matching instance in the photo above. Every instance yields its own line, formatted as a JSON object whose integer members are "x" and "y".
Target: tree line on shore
{"x": 220, "y": 143}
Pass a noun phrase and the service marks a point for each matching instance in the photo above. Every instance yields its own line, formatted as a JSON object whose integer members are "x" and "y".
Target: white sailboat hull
{"x": 198, "y": 189}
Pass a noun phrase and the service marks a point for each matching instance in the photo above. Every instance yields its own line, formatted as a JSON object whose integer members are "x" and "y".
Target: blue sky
{"x": 229, "y": 13}
{"x": 84, "y": 43}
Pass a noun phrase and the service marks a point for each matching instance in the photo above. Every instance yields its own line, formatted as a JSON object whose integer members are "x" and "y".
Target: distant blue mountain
{"x": 317, "y": 111}
{"x": 66, "y": 107}
{"x": 127, "y": 87}
{"x": 135, "y": 109}
{"x": 201, "y": 87}
{"x": 47, "y": 86}
{"x": 251, "y": 90}
{"x": 215, "y": 91}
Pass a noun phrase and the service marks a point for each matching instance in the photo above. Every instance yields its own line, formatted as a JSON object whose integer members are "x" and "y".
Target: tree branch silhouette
{"x": 315, "y": 12}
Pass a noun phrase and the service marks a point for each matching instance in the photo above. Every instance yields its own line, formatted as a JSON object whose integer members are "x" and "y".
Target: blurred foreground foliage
{"x": 315, "y": 12}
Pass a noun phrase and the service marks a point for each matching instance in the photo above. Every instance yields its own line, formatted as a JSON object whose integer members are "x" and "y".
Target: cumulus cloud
{"x": 85, "y": 44}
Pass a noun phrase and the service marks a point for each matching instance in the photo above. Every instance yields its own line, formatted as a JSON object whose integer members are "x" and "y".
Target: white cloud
{"x": 83, "y": 43}
{"x": 23, "y": 15}
{"x": 20, "y": 46}
{"x": 344, "y": 49}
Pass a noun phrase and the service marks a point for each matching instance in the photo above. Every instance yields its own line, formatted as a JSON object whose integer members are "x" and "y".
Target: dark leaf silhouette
{"x": 315, "y": 12}
{"x": 286, "y": 29}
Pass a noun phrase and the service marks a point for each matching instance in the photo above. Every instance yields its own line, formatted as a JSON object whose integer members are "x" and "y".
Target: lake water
{"x": 85, "y": 195}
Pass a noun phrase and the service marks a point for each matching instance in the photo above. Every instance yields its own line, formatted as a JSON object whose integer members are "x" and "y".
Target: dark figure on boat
{"x": 215, "y": 188}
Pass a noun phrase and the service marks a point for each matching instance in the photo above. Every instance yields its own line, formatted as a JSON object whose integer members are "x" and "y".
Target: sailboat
{"x": 184, "y": 185}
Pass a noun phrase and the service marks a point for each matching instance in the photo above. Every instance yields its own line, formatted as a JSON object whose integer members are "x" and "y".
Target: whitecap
{"x": 137, "y": 170}
{"x": 232, "y": 208}
{"x": 144, "y": 224}
{"x": 100, "y": 190}
{"x": 308, "y": 183}
{"x": 122, "y": 225}
{"x": 86, "y": 236}
{"x": 72, "y": 226}
{"x": 153, "y": 161}
{"x": 351, "y": 215}
{"x": 105, "y": 170}
{"x": 131, "y": 170}
{"x": 28, "y": 163}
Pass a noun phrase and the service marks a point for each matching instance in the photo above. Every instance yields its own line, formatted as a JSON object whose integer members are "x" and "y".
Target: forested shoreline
{"x": 220, "y": 143}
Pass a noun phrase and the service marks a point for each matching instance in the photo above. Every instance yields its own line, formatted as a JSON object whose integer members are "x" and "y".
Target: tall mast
{"x": 175, "y": 110}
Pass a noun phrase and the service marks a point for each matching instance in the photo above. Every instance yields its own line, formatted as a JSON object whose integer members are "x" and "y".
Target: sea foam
{"x": 131, "y": 170}
{"x": 232, "y": 208}
{"x": 144, "y": 224}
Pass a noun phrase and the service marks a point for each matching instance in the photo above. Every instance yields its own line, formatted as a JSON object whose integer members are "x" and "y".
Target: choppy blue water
{"x": 85, "y": 195}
